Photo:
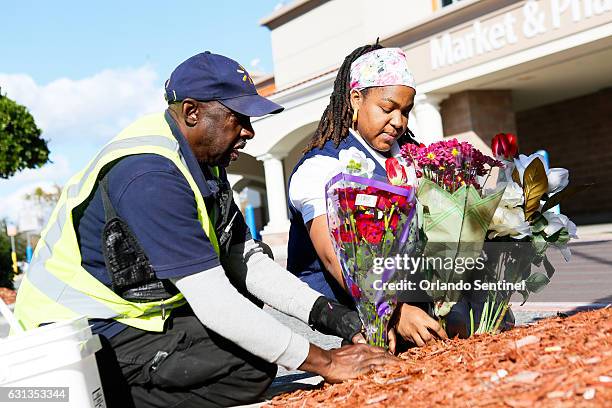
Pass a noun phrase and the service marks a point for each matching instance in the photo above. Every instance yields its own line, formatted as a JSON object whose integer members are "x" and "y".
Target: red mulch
{"x": 557, "y": 362}
{"x": 7, "y": 295}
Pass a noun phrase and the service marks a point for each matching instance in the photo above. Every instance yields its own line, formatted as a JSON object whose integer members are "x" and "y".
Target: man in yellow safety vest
{"x": 147, "y": 242}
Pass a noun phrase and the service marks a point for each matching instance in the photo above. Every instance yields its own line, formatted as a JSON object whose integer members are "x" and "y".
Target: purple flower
{"x": 383, "y": 308}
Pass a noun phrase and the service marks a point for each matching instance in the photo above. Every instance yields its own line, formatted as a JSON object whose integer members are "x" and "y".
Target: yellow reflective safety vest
{"x": 56, "y": 286}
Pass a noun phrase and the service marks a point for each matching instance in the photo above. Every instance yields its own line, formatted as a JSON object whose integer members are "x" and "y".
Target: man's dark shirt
{"x": 153, "y": 197}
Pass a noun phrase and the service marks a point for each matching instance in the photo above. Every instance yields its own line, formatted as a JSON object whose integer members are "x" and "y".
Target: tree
{"x": 21, "y": 146}
{"x": 36, "y": 209}
{"x": 44, "y": 198}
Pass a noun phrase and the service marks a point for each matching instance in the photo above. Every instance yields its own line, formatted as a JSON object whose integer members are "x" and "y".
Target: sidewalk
{"x": 596, "y": 232}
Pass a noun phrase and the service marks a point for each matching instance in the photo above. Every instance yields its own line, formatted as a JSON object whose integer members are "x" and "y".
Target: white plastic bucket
{"x": 56, "y": 355}
{"x": 45, "y": 334}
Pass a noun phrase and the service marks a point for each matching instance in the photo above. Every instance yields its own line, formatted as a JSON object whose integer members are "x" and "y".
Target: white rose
{"x": 509, "y": 221}
{"x": 558, "y": 221}
{"x": 513, "y": 195}
{"x": 354, "y": 161}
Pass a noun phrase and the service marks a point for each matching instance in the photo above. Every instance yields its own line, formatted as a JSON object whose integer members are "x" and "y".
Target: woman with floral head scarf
{"x": 367, "y": 116}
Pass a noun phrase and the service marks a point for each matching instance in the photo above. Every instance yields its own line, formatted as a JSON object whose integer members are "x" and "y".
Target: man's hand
{"x": 414, "y": 325}
{"x": 347, "y": 362}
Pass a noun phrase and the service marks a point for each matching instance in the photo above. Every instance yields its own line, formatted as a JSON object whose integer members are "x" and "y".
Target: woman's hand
{"x": 359, "y": 339}
{"x": 414, "y": 325}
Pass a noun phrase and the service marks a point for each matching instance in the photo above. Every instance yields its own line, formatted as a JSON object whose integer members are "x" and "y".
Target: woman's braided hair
{"x": 337, "y": 117}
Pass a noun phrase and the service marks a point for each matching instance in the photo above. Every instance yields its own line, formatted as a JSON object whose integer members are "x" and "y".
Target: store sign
{"x": 533, "y": 19}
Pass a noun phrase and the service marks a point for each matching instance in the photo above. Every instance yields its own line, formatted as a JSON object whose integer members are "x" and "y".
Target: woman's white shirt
{"x": 307, "y": 187}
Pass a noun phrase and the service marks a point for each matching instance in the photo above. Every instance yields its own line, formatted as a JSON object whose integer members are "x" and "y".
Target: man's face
{"x": 217, "y": 133}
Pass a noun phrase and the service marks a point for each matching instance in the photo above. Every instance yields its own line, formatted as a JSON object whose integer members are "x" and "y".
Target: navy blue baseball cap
{"x": 213, "y": 77}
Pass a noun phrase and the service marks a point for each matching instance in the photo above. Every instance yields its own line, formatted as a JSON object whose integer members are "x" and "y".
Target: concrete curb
{"x": 557, "y": 306}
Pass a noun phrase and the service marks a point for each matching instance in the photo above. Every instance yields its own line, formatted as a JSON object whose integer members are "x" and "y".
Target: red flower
{"x": 343, "y": 234}
{"x": 505, "y": 145}
{"x": 355, "y": 291}
{"x": 394, "y": 220}
{"x": 399, "y": 200}
{"x": 395, "y": 172}
{"x": 383, "y": 203}
{"x": 346, "y": 198}
{"x": 369, "y": 228}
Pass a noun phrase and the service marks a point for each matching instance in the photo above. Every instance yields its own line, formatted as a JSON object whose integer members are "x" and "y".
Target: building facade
{"x": 538, "y": 68}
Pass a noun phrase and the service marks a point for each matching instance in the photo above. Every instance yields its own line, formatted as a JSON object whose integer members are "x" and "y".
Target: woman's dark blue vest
{"x": 302, "y": 259}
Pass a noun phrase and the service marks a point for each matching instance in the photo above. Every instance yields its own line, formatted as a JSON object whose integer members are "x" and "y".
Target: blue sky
{"x": 86, "y": 69}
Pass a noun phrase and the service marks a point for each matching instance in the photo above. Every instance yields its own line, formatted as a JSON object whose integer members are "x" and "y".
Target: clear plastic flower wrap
{"x": 370, "y": 223}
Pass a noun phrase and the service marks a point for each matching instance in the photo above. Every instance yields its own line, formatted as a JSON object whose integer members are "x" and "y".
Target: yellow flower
{"x": 455, "y": 152}
{"x": 431, "y": 156}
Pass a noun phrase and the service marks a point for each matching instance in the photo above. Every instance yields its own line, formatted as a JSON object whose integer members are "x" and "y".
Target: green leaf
{"x": 563, "y": 194}
{"x": 539, "y": 243}
{"x": 559, "y": 237}
{"x": 360, "y": 258}
{"x": 550, "y": 269}
{"x": 536, "y": 282}
{"x": 364, "y": 258}
{"x": 539, "y": 223}
{"x": 349, "y": 250}
{"x": 525, "y": 295}
{"x": 537, "y": 260}
{"x": 388, "y": 238}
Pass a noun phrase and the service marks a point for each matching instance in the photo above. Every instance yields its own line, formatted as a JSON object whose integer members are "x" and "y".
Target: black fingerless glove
{"x": 330, "y": 317}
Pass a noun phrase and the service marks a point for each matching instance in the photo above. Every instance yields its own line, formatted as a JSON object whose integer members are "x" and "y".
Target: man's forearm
{"x": 220, "y": 307}
{"x": 269, "y": 282}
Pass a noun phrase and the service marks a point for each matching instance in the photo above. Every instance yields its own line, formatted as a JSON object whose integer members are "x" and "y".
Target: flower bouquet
{"x": 456, "y": 211}
{"x": 510, "y": 226}
{"x": 369, "y": 221}
{"x": 525, "y": 225}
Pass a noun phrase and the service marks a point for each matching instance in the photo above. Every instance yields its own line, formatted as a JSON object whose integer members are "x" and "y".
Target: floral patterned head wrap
{"x": 382, "y": 67}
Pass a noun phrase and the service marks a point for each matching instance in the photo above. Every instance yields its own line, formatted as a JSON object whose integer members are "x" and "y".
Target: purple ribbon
{"x": 373, "y": 183}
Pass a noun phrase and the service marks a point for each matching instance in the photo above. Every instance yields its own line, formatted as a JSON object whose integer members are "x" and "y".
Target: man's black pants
{"x": 186, "y": 366}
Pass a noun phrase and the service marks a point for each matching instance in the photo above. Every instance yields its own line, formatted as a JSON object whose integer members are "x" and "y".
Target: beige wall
{"x": 320, "y": 39}
{"x": 506, "y": 31}
{"x": 382, "y": 18}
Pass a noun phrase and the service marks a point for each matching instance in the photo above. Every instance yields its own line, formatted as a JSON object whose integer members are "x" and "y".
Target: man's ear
{"x": 356, "y": 98}
{"x": 190, "y": 110}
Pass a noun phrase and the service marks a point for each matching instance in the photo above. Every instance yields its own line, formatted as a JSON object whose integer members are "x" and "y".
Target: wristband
{"x": 330, "y": 317}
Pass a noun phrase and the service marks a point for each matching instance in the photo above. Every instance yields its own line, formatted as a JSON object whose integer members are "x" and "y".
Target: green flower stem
{"x": 483, "y": 319}
{"x": 501, "y": 316}
{"x": 378, "y": 338}
{"x": 494, "y": 319}
{"x": 471, "y": 322}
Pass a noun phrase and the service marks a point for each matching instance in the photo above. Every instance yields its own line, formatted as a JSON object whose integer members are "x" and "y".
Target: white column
{"x": 233, "y": 179}
{"x": 275, "y": 192}
{"x": 429, "y": 121}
